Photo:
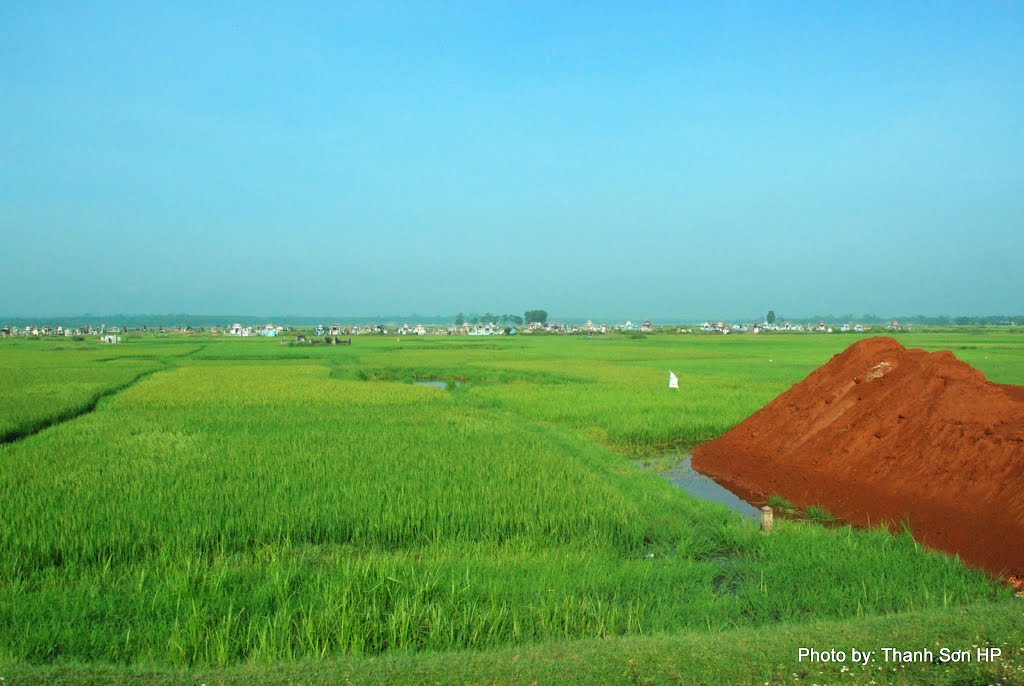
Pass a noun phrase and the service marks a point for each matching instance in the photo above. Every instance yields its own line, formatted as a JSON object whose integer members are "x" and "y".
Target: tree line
{"x": 528, "y": 317}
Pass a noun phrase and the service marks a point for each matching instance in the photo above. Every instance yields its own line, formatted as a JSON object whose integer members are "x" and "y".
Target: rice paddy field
{"x": 207, "y": 510}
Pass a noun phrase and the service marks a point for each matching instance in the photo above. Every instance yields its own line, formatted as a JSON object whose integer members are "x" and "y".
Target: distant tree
{"x": 460, "y": 319}
{"x": 540, "y": 316}
{"x": 770, "y": 317}
{"x": 474, "y": 320}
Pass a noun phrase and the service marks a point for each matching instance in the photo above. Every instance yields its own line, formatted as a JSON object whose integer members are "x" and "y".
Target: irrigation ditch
{"x": 20, "y": 433}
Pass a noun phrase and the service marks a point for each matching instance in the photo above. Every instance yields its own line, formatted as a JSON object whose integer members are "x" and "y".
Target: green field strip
{"x": 742, "y": 657}
{"x": 29, "y": 429}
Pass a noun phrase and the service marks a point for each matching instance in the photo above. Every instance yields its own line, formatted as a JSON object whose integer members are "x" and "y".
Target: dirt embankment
{"x": 883, "y": 433}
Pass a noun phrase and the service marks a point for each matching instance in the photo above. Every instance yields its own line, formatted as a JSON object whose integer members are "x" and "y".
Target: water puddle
{"x": 443, "y": 385}
{"x": 678, "y": 470}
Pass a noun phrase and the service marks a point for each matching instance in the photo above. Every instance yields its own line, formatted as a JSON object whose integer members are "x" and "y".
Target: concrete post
{"x": 767, "y": 519}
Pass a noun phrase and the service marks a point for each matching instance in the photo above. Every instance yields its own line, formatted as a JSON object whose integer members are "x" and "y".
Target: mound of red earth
{"x": 883, "y": 434}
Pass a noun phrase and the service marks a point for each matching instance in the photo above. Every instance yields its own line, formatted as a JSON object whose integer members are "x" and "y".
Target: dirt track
{"x": 883, "y": 433}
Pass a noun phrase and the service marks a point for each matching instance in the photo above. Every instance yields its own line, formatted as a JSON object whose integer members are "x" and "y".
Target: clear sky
{"x": 592, "y": 159}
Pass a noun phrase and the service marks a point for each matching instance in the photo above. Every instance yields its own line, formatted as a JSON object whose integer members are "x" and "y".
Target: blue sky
{"x": 592, "y": 159}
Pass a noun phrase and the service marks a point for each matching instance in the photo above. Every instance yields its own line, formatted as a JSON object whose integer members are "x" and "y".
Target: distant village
{"x": 331, "y": 332}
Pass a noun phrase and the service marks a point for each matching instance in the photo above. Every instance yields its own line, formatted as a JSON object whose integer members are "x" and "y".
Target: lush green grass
{"x": 819, "y": 514}
{"x": 45, "y": 383}
{"x": 258, "y": 503}
{"x": 765, "y": 655}
{"x": 777, "y": 502}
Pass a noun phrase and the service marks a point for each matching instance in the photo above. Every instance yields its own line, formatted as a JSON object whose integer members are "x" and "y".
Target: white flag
{"x": 673, "y": 380}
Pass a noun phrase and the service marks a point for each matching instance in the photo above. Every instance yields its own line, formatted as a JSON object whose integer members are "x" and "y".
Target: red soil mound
{"x": 885, "y": 434}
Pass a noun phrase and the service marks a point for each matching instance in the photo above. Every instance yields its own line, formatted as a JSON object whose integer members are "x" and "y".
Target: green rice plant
{"x": 780, "y": 504}
{"x": 819, "y": 514}
{"x": 46, "y": 384}
{"x": 247, "y": 505}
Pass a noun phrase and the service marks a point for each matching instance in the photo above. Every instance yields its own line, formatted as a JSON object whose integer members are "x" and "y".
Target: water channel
{"x": 443, "y": 385}
{"x": 682, "y": 474}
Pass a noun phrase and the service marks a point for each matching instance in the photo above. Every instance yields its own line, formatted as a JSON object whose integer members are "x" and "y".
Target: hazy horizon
{"x": 435, "y": 319}
{"x": 655, "y": 161}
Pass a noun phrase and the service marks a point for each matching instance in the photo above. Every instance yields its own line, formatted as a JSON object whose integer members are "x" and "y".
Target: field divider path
{"x": 21, "y": 433}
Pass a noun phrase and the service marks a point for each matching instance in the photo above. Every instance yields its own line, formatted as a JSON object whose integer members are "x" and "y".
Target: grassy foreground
{"x": 743, "y": 656}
